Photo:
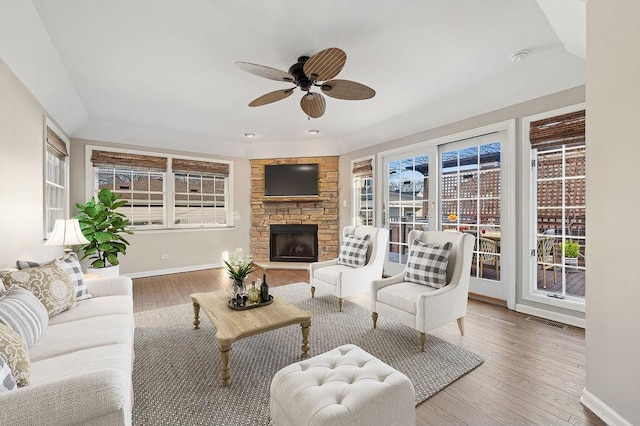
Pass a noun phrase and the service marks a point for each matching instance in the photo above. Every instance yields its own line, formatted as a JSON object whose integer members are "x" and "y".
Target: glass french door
{"x": 453, "y": 187}
{"x": 559, "y": 224}
{"x": 407, "y": 204}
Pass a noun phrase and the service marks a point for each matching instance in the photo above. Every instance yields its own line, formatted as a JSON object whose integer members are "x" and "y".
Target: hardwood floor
{"x": 533, "y": 374}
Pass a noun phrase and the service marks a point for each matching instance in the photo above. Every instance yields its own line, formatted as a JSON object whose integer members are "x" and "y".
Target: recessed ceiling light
{"x": 250, "y": 135}
{"x": 314, "y": 132}
{"x": 519, "y": 56}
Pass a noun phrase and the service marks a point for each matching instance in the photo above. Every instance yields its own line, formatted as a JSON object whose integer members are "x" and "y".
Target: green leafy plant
{"x": 103, "y": 226}
{"x": 571, "y": 248}
{"x": 238, "y": 266}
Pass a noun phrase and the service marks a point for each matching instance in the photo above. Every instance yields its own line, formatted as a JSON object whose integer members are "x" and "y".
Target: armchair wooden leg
{"x": 423, "y": 339}
{"x": 374, "y": 317}
{"x": 313, "y": 292}
{"x": 340, "y": 303}
{"x": 461, "y": 325}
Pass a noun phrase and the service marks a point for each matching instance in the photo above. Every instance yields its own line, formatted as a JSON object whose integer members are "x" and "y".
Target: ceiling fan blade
{"x": 348, "y": 90}
{"x": 313, "y": 104}
{"x": 325, "y": 64}
{"x": 266, "y": 72}
{"x": 271, "y": 97}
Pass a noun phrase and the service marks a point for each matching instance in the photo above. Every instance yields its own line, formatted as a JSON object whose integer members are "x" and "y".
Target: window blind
{"x": 55, "y": 145}
{"x": 559, "y": 130}
{"x": 363, "y": 168}
{"x": 180, "y": 165}
{"x": 108, "y": 158}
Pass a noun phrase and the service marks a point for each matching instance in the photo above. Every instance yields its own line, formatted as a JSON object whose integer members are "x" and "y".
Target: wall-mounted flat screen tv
{"x": 291, "y": 180}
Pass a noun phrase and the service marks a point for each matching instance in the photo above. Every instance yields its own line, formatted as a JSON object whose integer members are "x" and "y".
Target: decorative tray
{"x": 255, "y": 305}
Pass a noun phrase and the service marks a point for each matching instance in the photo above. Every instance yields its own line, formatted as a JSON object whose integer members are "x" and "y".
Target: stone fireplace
{"x": 293, "y": 243}
{"x": 319, "y": 211}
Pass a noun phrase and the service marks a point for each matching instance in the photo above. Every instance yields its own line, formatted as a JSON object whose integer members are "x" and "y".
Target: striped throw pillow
{"x": 24, "y": 313}
{"x": 427, "y": 264}
{"x": 353, "y": 251}
{"x": 7, "y": 382}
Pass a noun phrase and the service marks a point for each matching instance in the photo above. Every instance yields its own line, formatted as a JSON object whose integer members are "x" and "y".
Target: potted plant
{"x": 571, "y": 251}
{"x": 238, "y": 267}
{"x": 103, "y": 226}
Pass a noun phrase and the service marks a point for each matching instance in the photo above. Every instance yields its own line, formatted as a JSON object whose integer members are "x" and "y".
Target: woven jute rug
{"x": 177, "y": 368}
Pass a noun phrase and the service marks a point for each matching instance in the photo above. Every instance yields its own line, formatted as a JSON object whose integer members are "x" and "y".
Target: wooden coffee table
{"x": 232, "y": 325}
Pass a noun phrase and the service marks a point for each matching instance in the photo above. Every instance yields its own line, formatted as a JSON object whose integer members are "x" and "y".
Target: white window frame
{"x": 169, "y": 190}
{"x": 529, "y": 293}
{"x": 47, "y": 226}
{"x": 356, "y": 196}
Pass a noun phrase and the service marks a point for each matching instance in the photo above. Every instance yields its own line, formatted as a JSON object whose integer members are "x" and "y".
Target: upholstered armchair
{"x": 421, "y": 306}
{"x": 344, "y": 280}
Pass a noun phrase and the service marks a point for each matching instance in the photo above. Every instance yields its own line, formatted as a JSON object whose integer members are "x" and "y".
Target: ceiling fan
{"x": 309, "y": 72}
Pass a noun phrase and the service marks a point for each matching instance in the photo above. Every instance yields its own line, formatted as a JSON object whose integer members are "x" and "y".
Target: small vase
{"x": 238, "y": 287}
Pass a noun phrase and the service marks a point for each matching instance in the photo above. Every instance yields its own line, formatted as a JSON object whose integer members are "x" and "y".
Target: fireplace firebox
{"x": 293, "y": 243}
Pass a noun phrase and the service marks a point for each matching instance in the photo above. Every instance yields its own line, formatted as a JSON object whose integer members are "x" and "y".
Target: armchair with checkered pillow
{"x": 360, "y": 261}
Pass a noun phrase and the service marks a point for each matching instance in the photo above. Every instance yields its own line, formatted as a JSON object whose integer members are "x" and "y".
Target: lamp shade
{"x": 66, "y": 233}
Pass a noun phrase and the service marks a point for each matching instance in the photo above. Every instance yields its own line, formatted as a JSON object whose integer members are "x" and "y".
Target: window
{"x": 558, "y": 169}
{"x": 362, "y": 172}
{"x": 201, "y": 190}
{"x": 55, "y": 182}
{"x": 165, "y": 191}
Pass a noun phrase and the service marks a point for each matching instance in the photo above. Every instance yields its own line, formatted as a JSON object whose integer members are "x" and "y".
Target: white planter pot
{"x": 571, "y": 264}
{"x": 109, "y": 271}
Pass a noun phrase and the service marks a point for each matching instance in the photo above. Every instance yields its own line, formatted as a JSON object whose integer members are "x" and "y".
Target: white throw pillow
{"x": 353, "y": 251}
{"x": 427, "y": 264}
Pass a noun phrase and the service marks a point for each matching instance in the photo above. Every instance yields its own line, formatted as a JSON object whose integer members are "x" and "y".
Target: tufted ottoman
{"x": 345, "y": 386}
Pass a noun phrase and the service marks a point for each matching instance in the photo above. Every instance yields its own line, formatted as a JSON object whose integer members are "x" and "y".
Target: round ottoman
{"x": 345, "y": 386}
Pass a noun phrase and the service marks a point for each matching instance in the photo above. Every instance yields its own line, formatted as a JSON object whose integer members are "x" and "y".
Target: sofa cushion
{"x": 95, "y": 307}
{"x": 7, "y": 382}
{"x": 329, "y": 274}
{"x": 15, "y": 353}
{"x": 23, "y": 312}
{"x": 70, "y": 263}
{"x": 88, "y": 333}
{"x": 49, "y": 283}
{"x": 403, "y": 295}
{"x": 75, "y": 389}
{"x": 427, "y": 264}
{"x": 353, "y": 251}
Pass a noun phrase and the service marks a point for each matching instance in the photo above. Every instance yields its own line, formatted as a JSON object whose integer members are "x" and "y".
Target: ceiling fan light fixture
{"x": 249, "y": 135}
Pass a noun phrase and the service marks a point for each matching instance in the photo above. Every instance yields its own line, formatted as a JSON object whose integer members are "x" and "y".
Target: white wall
{"x": 188, "y": 249}
{"x": 22, "y": 124}
{"x": 547, "y": 103}
{"x": 613, "y": 210}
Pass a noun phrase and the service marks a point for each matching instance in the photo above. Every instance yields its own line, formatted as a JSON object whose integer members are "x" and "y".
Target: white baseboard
{"x": 553, "y": 316}
{"x": 173, "y": 270}
{"x": 602, "y": 410}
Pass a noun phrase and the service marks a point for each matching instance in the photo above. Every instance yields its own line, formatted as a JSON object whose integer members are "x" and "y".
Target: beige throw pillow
{"x": 49, "y": 283}
{"x": 15, "y": 354}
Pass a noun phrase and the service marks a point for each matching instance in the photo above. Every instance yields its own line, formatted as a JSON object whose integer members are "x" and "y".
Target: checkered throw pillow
{"x": 70, "y": 263}
{"x": 353, "y": 251}
{"x": 427, "y": 264}
{"x": 7, "y": 382}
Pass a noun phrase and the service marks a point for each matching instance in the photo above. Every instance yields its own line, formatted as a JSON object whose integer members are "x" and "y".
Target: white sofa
{"x": 81, "y": 366}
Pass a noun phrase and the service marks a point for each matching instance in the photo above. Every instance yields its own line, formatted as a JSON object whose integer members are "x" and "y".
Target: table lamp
{"x": 66, "y": 233}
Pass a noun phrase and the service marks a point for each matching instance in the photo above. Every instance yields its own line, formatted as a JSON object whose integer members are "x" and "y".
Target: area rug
{"x": 177, "y": 368}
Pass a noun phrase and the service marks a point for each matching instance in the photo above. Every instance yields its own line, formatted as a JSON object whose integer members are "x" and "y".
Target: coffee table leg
{"x": 196, "y": 315}
{"x": 225, "y": 373}
{"x": 305, "y": 338}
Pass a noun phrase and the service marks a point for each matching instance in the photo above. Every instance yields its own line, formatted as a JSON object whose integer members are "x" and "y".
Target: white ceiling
{"x": 161, "y": 72}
